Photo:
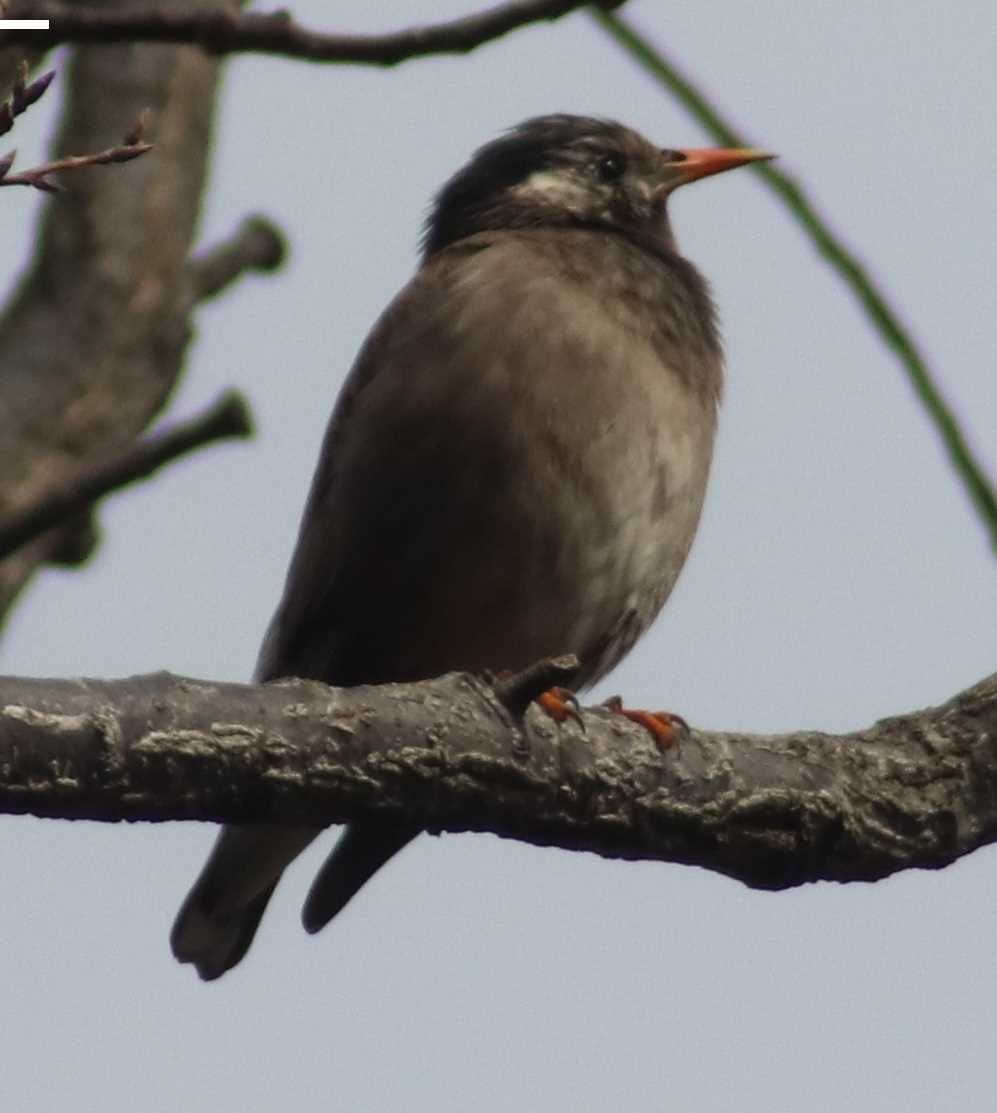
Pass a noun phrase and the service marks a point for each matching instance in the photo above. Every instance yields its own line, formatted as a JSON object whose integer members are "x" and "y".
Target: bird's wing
{"x": 387, "y": 546}
{"x": 465, "y": 503}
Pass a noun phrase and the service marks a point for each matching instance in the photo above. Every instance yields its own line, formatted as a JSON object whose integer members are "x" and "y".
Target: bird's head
{"x": 570, "y": 170}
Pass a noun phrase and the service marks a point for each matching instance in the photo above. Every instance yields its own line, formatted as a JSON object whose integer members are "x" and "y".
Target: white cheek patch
{"x": 555, "y": 187}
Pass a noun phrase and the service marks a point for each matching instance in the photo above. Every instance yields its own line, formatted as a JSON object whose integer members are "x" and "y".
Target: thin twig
{"x": 23, "y": 96}
{"x": 227, "y": 417}
{"x": 223, "y": 32}
{"x": 38, "y": 176}
{"x": 884, "y": 317}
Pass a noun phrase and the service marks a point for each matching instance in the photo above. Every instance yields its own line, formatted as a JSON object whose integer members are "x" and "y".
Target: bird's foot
{"x": 663, "y": 726}
{"x": 561, "y": 704}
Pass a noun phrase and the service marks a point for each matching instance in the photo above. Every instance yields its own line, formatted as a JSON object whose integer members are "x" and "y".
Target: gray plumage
{"x": 514, "y": 469}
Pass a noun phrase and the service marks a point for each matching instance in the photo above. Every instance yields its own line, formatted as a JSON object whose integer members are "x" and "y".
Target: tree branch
{"x": 23, "y": 95}
{"x": 227, "y": 31}
{"x": 919, "y": 790}
{"x": 256, "y": 245}
{"x": 38, "y": 176}
{"x": 227, "y": 417}
{"x": 93, "y": 339}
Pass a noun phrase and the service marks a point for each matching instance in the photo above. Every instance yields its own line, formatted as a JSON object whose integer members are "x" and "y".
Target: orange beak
{"x": 701, "y": 162}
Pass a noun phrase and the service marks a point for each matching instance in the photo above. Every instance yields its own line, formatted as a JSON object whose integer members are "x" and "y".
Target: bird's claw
{"x": 665, "y": 727}
{"x": 561, "y": 704}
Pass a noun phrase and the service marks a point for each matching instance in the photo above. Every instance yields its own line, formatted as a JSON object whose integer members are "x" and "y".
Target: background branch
{"x": 228, "y": 417}
{"x": 884, "y": 317}
{"x": 256, "y": 245}
{"x": 23, "y": 95}
{"x": 38, "y": 177}
{"x": 226, "y": 31}
{"x": 773, "y": 811}
{"x": 93, "y": 339}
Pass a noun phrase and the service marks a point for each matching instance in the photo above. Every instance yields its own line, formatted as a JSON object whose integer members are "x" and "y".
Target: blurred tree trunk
{"x": 92, "y": 339}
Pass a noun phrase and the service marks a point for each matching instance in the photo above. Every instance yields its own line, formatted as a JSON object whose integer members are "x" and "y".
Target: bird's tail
{"x": 361, "y": 851}
{"x": 219, "y": 918}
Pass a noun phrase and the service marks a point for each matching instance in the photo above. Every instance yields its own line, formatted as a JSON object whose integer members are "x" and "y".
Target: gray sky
{"x": 839, "y": 576}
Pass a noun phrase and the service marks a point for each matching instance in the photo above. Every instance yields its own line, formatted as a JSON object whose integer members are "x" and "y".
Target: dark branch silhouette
{"x": 918, "y": 790}
{"x": 229, "y": 30}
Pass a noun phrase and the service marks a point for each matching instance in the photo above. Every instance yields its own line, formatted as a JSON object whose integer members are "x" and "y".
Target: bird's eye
{"x": 610, "y": 168}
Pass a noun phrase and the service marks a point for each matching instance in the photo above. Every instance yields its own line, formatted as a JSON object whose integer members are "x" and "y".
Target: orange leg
{"x": 561, "y": 704}
{"x": 663, "y": 726}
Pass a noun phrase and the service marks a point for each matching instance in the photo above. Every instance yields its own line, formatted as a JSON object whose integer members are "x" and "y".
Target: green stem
{"x": 884, "y": 319}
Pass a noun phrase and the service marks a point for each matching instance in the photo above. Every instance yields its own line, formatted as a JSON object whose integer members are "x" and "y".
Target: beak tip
{"x": 703, "y": 162}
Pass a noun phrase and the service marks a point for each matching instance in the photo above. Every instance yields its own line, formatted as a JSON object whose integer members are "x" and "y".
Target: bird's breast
{"x": 608, "y": 444}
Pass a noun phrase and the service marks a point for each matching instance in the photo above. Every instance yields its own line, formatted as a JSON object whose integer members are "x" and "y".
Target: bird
{"x": 514, "y": 468}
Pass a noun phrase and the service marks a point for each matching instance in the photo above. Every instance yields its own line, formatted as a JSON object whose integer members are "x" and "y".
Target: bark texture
{"x": 918, "y": 790}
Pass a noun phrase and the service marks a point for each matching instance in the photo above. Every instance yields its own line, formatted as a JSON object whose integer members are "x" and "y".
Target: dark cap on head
{"x": 569, "y": 170}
